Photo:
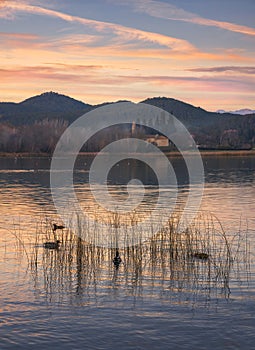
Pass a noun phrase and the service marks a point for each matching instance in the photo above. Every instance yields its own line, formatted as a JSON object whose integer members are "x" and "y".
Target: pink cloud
{"x": 168, "y": 11}
{"x": 122, "y": 32}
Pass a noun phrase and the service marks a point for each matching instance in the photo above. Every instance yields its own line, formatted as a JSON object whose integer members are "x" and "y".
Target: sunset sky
{"x": 200, "y": 51}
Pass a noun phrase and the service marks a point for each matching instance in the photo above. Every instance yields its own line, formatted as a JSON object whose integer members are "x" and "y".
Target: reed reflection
{"x": 192, "y": 267}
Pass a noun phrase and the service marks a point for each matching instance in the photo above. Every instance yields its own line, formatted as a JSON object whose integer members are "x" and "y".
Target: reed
{"x": 189, "y": 264}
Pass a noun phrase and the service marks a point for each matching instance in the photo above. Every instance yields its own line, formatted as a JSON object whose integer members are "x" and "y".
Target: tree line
{"x": 228, "y": 132}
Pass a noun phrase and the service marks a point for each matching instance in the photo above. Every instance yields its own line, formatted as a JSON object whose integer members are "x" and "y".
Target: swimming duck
{"x": 58, "y": 227}
{"x": 51, "y": 245}
{"x": 201, "y": 256}
{"x": 117, "y": 259}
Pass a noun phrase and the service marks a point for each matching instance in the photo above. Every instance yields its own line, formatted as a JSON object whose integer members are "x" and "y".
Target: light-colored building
{"x": 157, "y": 140}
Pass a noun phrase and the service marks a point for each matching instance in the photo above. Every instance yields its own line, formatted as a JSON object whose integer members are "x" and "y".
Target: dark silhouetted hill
{"x": 49, "y": 105}
{"x": 191, "y": 116}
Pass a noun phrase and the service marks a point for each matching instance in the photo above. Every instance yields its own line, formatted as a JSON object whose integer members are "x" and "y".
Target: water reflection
{"x": 166, "y": 267}
{"x": 77, "y": 293}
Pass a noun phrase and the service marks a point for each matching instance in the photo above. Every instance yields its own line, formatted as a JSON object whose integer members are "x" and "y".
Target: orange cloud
{"x": 74, "y": 46}
{"x": 92, "y": 66}
{"x": 21, "y": 36}
{"x": 92, "y": 75}
{"x": 223, "y": 25}
{"x": 124, "y": 33}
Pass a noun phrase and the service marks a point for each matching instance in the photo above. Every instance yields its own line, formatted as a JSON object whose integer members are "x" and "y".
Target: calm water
{"x": 69, "y": 306}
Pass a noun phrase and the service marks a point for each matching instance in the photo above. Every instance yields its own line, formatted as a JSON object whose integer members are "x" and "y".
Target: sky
{"x": 200, "y": 51}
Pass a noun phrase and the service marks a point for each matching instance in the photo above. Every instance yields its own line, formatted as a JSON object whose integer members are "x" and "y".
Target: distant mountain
{"x": 49, "y": 105}
{"x": 244, "y": 111}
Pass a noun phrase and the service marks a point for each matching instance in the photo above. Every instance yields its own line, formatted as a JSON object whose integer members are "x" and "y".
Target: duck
{"x": 57, "y": 227}
{"x": 201, "y": 256}
{"x": 51, "y": 245}
{"x": 117, "y": 259}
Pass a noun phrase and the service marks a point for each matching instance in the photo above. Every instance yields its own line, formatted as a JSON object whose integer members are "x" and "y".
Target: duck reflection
{"x": 166, "y": 266}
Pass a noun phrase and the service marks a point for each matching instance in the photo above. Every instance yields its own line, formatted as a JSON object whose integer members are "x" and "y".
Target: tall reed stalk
{"x": 198, "y": 260}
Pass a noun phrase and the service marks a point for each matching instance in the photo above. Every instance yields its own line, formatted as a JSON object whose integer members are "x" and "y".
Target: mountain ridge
{"x": 243, "y": 111}
{"x": 52, "y": 105}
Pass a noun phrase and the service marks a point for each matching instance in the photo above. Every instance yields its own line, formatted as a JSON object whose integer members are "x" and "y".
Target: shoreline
{"x": 204, "y": 153}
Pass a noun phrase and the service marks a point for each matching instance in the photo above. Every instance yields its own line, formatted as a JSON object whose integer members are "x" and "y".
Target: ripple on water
{"x": 64, "y": 309}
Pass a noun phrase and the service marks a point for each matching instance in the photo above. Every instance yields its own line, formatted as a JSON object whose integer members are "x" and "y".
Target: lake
{"x": 63, "y": 299}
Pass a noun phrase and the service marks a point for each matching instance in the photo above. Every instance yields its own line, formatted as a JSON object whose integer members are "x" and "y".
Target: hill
{"x": 54, "y": 102}
{"x": 49, "y": 105}
{"x": 193, "y": 117}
